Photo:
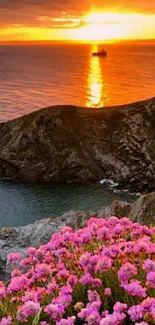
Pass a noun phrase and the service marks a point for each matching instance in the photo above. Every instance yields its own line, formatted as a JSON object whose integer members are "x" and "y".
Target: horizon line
{"x": 87, "y": 42}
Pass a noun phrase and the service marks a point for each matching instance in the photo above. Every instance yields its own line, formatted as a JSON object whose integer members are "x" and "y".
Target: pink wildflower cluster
{"x": 103, "y": 274}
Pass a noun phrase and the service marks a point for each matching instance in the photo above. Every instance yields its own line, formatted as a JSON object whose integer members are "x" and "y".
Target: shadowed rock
{"x": 68, "y": 143}
{"x": 18, "y": 239}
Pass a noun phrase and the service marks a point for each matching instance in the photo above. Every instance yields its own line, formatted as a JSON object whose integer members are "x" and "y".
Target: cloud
{"x": 44, "y": 4}
{"x": 26, "y": 12}
{"x": 74, "y": 4}
{"x": 15, "y": 4}
{"x": 63, "y": 21}
{"x": 30, "y": 12}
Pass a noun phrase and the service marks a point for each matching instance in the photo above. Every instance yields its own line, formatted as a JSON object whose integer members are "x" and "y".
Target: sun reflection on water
{"x": 95, "y": 83}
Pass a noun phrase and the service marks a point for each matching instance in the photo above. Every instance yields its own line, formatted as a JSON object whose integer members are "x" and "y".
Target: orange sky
{"x": 67, "y": 20}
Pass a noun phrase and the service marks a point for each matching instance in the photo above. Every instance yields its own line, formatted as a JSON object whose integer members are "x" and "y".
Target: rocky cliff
{"x": 18, "y": 239}
{"x": 68, "y": 143}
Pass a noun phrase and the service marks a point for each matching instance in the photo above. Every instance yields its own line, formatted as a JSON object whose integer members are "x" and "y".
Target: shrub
{"x": 101, "y": 274}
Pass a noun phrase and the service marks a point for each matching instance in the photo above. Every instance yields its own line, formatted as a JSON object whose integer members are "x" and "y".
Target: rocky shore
{"x": 18, "y": 239}
{"x": 68, "y": 143}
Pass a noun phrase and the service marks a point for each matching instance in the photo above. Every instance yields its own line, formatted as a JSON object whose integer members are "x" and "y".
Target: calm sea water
{"x": 32, "y": 77}
{"x": 21, "y": 204}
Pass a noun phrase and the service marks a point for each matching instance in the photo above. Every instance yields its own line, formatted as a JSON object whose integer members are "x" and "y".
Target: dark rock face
{"x": 67, "y": 143}
{"x": 18, "y": 239}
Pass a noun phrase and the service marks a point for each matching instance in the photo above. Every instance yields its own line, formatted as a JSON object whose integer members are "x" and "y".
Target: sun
{"x": 98, "y": 32}
{"x": 106, "y": 26}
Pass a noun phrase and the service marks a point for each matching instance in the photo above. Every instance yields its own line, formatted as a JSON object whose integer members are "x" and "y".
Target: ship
{"x": 101, "y": 53}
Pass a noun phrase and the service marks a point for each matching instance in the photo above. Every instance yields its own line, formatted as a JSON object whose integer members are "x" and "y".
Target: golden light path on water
{"x": 95, "y": 82}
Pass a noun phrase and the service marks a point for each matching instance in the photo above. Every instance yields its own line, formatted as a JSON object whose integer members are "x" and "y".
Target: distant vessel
{"x": 101, "y": 53}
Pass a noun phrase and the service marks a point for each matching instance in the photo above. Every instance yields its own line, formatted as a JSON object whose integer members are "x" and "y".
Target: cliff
{"x": 68, "y": 143}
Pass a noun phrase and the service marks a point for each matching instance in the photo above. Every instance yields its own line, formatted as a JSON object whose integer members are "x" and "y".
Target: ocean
{"x": 36, "y": 76}
{"x": 23, "y": 204}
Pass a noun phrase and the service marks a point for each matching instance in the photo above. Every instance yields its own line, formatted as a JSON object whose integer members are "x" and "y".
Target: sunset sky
{"x": 84, "y": 20}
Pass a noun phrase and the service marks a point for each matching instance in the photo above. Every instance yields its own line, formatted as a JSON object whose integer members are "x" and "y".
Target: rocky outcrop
{"x": 68, "y": 143}
{"x": 18, "y": 239}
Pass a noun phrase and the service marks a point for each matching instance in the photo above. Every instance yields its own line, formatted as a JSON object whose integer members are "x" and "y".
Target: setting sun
{"x": 113, "y": 26}
{"x": 98, "y": 32}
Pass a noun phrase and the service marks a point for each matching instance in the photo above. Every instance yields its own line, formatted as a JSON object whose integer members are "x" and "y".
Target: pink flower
{"x": 135, "y": 312}
{"x": 117, "y": 230}
{"x": 16, "y": 273}
{"x": 119, "y": 307}
{"x": 114, "y": 250}
{"x": 2, "y": 291}
{"x": 55, "y": 311}
{"x": 14, "y": 257}
{"x": 104, "y": 233}
{"x": 147, "y": 231}
{"x": 86, "y": 279}
{"x": 17, "y": 284}
{"x": 68, "y": 321}
{"x": 84, "y": 259}
{"x": 86, "y": 236}
{"x": 28, "y": 309}
{"x": 93, "y": 318}
{"x": 141, "y": 246}
{"x": 107, "y": 292}
{"x": 96, "y": 283}
{"x": 148, "y": 304}
{"x": 153, "y": 312}
{"x": 149, "y": 265}
{"x": 104, "y": 263}
{"x": 104, "y": 313}
{"x": 63, "y": 273}
{"x": 134, "y": 288}
{"x": 72, "y": 280}
{"x": 126, "y": 222}
{"x": 93, "y": 295}
{"x": 76, "y": 272}
{"x": 113, "y": 319}
{"x": 66, "y": 229}
{"x": 151, "y": 279}
{"x": 6, "y": 321}
{"x": 127, "y": 271}
{"x": 113, "y": 221}
{"x": 31, "y": 252}
{"x": 52, "y": 287}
